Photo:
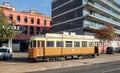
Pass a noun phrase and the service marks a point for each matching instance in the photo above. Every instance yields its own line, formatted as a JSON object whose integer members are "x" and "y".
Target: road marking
{"x": 111, "y": 70}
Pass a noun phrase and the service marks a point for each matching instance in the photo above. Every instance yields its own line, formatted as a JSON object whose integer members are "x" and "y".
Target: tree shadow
{"x": 19, "y": 57}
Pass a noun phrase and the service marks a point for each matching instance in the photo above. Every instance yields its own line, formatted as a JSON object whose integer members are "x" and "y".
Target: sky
{"x": 42, "y": 6}
{"x": 118, "y": 1}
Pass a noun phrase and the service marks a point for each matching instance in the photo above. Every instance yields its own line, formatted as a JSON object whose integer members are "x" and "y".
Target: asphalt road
{"x": 111, "y": 67}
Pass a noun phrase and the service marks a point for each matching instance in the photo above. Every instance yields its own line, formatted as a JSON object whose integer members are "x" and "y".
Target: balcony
{"x": 111, "y": 6}
{"x": 100, "y": 20}
{"x": 102, "y": 11}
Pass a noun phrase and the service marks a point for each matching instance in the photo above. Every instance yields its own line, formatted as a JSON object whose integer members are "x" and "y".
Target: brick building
{"x": 28, "y": 23}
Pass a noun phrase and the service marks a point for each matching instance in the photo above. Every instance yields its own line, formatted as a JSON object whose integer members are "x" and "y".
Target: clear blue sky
{"x": 43, "y": 6}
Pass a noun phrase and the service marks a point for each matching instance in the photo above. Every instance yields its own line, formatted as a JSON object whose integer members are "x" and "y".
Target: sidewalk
{"x": 21, "y": 64}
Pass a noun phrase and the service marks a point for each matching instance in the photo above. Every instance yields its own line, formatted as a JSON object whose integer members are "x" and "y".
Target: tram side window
{"x": 76, "y": 44}
{"x": 43, "y": 43}
{"x": 34, "y": 43}
{"x": 68, "y": 43}
{"x": 30, "y": 43}
{"x": 84, "y": 43}
{"x": 96, "y": 44}
{"x": 59, "y": 44}
{"x": 50, "y": 43}
{"x": 91, "y": 44}
{"x": 38, "y": 43}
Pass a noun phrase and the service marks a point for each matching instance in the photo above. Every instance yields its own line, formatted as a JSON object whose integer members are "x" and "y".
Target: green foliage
{"x": 6, "y": 31}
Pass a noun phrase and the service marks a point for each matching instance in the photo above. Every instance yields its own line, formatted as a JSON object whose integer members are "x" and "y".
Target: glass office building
{"x": 82, "y": 16}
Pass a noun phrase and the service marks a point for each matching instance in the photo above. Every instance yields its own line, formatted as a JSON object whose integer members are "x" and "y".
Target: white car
{"x": 5, "y": 53}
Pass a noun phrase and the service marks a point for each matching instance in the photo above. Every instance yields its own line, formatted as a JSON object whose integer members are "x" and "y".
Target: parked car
{"x": 109, "y": 50}
{"x": 117, "y": 50}
{"x": 5, "y": 53}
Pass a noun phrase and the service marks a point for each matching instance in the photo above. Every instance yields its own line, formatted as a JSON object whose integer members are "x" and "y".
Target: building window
{"x": 44, "y": 30}
{"x": 24, "y": 29}
{"x": 31, "y": 30}
{"x": 32, "y": 20}
{"x": 37, "y": 30}
{"x": 10, "y": 17}
{"x": 18, "y": 18}
{"x": 25, "y": 19}
{"x": 90, "y": 1}
{"x": 45, "y": 22}
{"x": 38, "y": 21}
{"x": 50, "y": 23}
{"x": 91, "y": 12}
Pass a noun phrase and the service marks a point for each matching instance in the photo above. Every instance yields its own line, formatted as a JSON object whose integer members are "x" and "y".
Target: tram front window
{"x": 30, "y": 44}
{"x": 34, "y": 43}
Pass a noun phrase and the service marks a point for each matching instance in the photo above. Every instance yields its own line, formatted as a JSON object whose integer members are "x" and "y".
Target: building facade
{"x": 83, "y": 16}
{"x": 27, "y": 23}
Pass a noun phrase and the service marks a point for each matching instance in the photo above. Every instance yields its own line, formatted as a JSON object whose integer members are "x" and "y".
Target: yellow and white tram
{"x": 54, "y": 46}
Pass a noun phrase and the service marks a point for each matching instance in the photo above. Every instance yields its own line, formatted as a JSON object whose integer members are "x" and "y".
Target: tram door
{"x": 42, "y": 48}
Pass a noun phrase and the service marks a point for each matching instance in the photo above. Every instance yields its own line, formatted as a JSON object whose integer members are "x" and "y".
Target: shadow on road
{"x": 19, "y": 57}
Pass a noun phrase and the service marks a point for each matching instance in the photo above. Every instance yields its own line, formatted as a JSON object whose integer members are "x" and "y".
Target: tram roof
{"x": 64, "y": 36}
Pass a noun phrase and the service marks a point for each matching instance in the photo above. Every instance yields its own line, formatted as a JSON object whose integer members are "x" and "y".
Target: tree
{"x": 106, "y": 33}
{"x": 6, "y": 31}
